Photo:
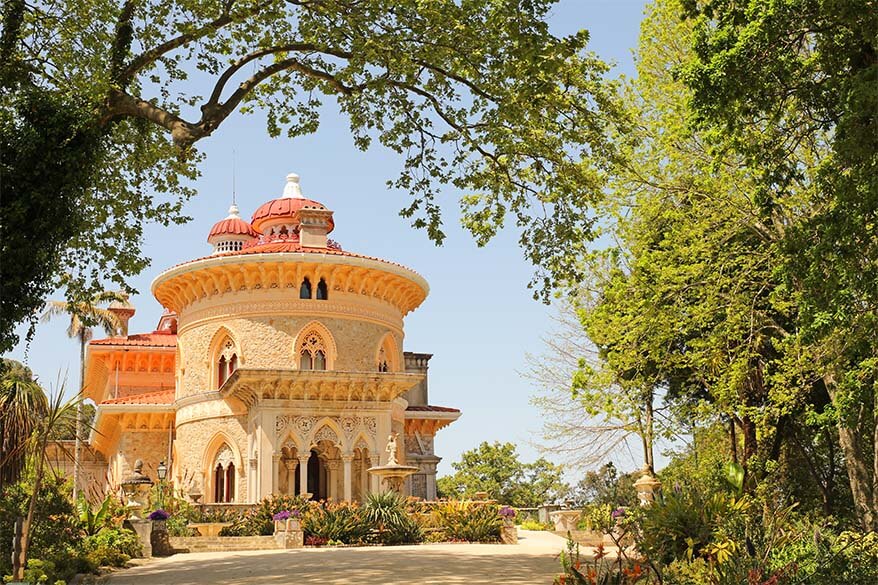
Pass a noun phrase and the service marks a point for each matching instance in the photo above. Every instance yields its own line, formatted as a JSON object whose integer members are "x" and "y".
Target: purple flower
{"x": 507, "y": 512}
{"x": 159, "y": 515}
{"x": 618, "y": 512}
{"x": 296, "y": 514}
{"x": 282, "y": 515}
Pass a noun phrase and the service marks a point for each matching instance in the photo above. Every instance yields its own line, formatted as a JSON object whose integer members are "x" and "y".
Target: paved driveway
{"x": 534, "y": 560}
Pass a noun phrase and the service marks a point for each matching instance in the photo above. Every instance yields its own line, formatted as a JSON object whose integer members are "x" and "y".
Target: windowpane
{"x": 305, "y": 290}
{"x": 305, "y": 361}
{"x": 322, "y": 291}
{"x": 319, "y": 360}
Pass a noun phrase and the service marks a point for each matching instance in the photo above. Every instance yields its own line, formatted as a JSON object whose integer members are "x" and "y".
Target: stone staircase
{"x": 195, "y": 544}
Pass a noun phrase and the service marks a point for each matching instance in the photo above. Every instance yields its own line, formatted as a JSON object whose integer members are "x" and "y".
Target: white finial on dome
{"x": 292, "y": 189}
{"x": 233, "y": 212}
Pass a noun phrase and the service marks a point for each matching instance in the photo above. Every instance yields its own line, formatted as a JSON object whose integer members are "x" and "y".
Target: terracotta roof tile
{"x": 160, "y": 397}
{"x": 140, "y": 339}
{"x": 430, "y": 408}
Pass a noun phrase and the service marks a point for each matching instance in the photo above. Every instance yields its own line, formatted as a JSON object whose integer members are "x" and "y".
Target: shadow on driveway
{"x": 470, "y": 564}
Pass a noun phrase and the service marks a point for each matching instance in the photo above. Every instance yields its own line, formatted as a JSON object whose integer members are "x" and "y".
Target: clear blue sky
{"x": 479, "y": 339}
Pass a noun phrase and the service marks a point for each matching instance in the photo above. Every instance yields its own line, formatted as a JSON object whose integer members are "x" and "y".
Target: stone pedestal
{"x": 565, "y": 520}
{"x": 509, "y": 534}
{"x": 290, "y": 538}
{"x": 160, "y": 540}
{"x": 143, "y": 528}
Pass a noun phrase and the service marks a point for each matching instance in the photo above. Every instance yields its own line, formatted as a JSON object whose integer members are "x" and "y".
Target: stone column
{"x": 266, "y": 449}
{"x": 291, "y": 476}
{"x": 303, "y": 473}
{"x": 347, "y": 459}
{"x": 333, "y": 479}
{"x": 375, "y": 481}
{"x": 275, "y": 471}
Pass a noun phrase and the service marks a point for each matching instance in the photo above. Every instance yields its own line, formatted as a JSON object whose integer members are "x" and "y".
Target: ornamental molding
{"x": 304, "y": 430}
{"x": 196, "y": 316}
{"x": 210, "y": 407}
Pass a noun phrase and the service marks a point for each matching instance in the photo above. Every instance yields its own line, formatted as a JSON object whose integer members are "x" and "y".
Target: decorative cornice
{"x": 181, "y": 286}
{"x": 252, "y": 385}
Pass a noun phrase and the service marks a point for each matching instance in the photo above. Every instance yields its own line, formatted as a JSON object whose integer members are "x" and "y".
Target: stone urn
{"x": 136, "y": 488}
{"x": 648, "y": 486}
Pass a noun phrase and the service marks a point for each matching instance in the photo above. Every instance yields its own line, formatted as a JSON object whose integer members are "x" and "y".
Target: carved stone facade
{"x": 278, "y": 367}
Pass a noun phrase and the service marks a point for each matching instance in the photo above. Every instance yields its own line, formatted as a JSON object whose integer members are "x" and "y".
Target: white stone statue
{"x": 391, "y": 449}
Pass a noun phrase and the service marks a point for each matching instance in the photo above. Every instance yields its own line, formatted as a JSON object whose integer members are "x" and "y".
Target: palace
{"x": 277, "y": 368}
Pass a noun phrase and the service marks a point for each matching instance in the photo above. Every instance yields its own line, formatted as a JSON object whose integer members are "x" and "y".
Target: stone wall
{"x": 268, "y": 342}
{"x": 196, "y": 445}
{"x": 150, "y": 446}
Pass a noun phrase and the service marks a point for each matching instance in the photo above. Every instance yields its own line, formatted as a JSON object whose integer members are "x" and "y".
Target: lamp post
{"x": 162, "y": 472}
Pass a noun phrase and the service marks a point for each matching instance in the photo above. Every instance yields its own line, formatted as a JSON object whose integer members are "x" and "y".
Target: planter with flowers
{"x": 159, "y": 540}
{"x": 508, "y": 532}
{"x": 158, "y": 518}
{"x": 288, "y": 529}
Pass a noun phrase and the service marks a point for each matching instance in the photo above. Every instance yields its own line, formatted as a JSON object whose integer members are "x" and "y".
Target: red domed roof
{"x": 287, "y": 206}
{"x": 233, "y": 225}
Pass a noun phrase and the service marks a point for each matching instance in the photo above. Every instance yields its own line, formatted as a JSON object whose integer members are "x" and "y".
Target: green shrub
{"x": 389, "y": 515}
{"x": 530, "y": 524}
{"x": 469, "y": 521}
{"x": 343, "y": 522}
{"x": 55, "y": 536}
{"x": 111, "y": 547}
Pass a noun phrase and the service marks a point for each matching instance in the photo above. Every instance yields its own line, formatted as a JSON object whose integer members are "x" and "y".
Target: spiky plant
{"x": 22, "y": 403}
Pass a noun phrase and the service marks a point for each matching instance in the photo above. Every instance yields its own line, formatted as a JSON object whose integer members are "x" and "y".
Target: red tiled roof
{"x": 160, "y": 397}
{"x": 141, "y": 340}
{"x": 234, "y": 226}
{"x": 432, "y": 409}
{"x": 284, "y": 207}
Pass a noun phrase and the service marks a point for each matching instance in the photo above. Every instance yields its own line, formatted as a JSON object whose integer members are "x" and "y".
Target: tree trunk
{"x": 733, "y": 439}
{"x": 860, "y": 473}
{"x": 19, "y": 567}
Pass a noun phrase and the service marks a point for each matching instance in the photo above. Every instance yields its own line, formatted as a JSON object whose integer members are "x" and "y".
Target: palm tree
{"x": 22, "y": 405}
{"x": 56, "y": 417}
{"x": 83, "y": 316}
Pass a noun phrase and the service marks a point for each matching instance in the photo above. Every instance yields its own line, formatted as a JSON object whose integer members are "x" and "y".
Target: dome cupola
{"x": 230, "y": 234}
{"x": 292, "y": 217}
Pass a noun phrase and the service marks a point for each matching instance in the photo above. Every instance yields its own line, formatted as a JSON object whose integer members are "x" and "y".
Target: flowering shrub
{"x": 507, "y": 512}
{"x": 598, "y": 571}
{"x": 159, "y": 515}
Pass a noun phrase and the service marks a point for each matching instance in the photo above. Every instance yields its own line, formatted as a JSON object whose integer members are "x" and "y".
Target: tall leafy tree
{"x": 496, "y": 469}
{"x": 477, "y": 95}
{"x": 83, "y": 317}
{"x": 690, "y": 304}
{"x": 767, "y": 77}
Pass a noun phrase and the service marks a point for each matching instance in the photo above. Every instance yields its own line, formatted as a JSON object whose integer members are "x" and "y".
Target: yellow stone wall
{"x": 266, "y": 329}
{"x": 150, "y": 446}
{"x": 197, "y": 443}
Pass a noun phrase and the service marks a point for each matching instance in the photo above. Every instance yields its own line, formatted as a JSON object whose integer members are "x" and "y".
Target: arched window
{"x": 224, "y": 476}
{"x": 305, "y": 290}
{"x": 322, "y": 290}
{"x": 226, "y": 361}
{"x": 312, "y": 352}
{"x": 388, "y": 355}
